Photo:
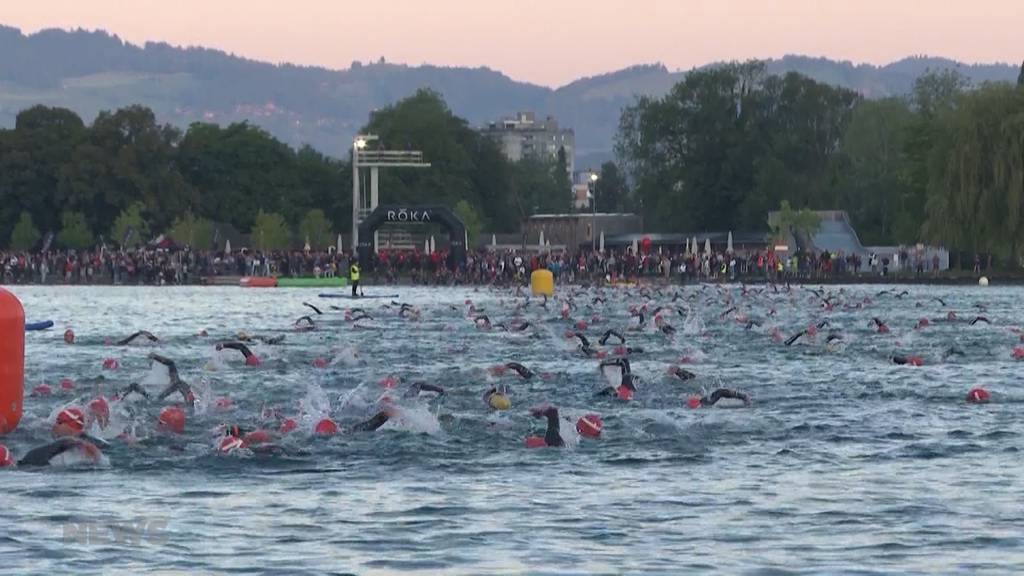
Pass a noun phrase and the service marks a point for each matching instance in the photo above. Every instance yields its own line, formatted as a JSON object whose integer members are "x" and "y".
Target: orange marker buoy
{"x": 12, "y": 361}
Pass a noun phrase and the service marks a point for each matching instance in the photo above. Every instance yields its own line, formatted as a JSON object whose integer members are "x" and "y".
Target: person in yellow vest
{"x": 353, "y": 278}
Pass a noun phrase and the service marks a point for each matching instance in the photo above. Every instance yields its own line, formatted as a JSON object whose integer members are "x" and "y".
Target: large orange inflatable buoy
{"x": 12, "y": 361}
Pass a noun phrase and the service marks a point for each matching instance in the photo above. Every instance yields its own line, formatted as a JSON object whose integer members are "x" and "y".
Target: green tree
{"x": 270, "y": 231}
{"x": 470, "y": 218}
{"x": 130, "y": 226}
{"x": 1020, "y": 77}
{"x": 611, "y": 193}
{"x": 316, "y": 229}
{"x": 195, "y": 232}
{"x": 25, "y": 236}
{"x": 74, "y": 232}
{"x": 801, "y": 224}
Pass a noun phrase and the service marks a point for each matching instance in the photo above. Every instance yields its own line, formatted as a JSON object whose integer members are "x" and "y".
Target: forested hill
{"x": 93, "y": 71}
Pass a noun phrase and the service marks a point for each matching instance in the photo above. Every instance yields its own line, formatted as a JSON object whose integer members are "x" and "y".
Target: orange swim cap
{"x": 6, "y": 459}
{"x": 326, "y": 427}
{"x": 590, "y": 426}
{"x": 70, "y": 422}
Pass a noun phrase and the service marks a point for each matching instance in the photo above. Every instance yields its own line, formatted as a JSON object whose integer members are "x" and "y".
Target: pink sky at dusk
{"x": 550, "y": 42}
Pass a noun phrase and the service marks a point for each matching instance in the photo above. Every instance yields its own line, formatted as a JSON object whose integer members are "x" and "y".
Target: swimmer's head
{"x": 252, "y": 360}
{"x": 70, "y": 422}
{"x": 69, "y": 336}
{"x": 219, "y": 347}
{"x": 287, "y": 425}
{"x": 693, "y": 401}
{"x": 978, "y": 396}
{"x": 172, "y": 419}
{"x": 229, "y": 444}
{"x": 326, "y": 427}
{"x": 100, "y": 410}
{"x": 590, "y": 426}
{"x": 499, "y": 401}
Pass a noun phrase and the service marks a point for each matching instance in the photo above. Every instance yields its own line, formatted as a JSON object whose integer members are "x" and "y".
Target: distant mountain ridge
{"x": 90, "y": 71}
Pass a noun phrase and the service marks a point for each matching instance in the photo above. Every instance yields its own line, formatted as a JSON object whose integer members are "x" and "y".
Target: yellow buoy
{"x": 542, "y": 283}
{"x": 12, "y": 361}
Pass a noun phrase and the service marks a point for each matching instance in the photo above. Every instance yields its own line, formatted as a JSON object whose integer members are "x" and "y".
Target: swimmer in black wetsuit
{"x": 681, "y": 373}
{"x": 43, "y": 455}
{"x": 482, "y": 322}
{"x": 145, "y": 333}
{"x": 250, "y": 358}
{"x": 627, "y": 381}
{"x": 980, "y": 319}
{"x": 305, "y": 322}
{"x": 552, "y": 436}
{"x": 314, "y": 308}
{"x": 610, "y": 333}
{"x": 725, "y": 393}
{"x": 416, "y": 388}
{"x": 177, "y": 384}
{"x": 376, "y": 421}
{"x": 523, "y": 371}
{"x": 130, "y": 389}
{"x": 584, "y": 345}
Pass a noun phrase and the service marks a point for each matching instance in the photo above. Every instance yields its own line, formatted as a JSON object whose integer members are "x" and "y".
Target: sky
{"x": 550, "y": 42}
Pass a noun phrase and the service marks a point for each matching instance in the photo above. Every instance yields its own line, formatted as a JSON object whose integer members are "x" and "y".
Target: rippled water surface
{"x": 844, "y": 463}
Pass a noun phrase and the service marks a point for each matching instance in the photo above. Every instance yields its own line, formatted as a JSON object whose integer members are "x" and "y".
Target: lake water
{"x": 845, "y": 462}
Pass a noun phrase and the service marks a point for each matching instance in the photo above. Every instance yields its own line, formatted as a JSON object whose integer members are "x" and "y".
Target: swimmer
{"x": 584, "y": 345}
{"x": 719, "y": 394}
{"x": 314, "y": 308}
{"x": 980, "y": 319}
{"x": 795, "y": 337}
{"x": 132, "y": 388}
{"x": 497, "y": 398}
{"x": 609, "y": 334}
{"x": 177, "y": 384}
{"x": 524, "y": 372}
{"x": 952, "y": 351}
{"x": 144, "y": 333}
{"x": 552, "y": 435}
{"x": 305, "y": 323}
{"x": 681, "y": 373}
{"x": 882, "y": 328}
{"x": 68, "y": 446}
{"x": 376, "y": 421}
{"x": 482, "y": 322}
{"x": 900, "y": 360}
{"x": 418, "y": 388}
{"x": 618, "y": 370}
{"x": 250, "y": 358}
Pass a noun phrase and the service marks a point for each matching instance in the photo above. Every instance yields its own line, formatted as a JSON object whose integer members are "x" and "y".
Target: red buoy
{"x": 12, "y": 361}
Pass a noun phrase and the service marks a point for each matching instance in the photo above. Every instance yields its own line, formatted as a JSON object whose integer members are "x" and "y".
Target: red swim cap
{"x": 978, "y": 396}
{"x": 883, "y": 329}
{"x": 100, "y": 410}
{"x": 66, "y": 384}
{"x": 224, "y": 403}
{"x": 5, "y": 457}
{"x": 319, "y": 363}
{"x": 693, "y": 401}
{"x": 623, "y": 392}
{"x": 1018, "y": 352}
{"x": 252, "y": 360}
{"x": 110, "y": 364}
{"x": 229, "y": 444}
{"x": 42, "y": 390}
{"x": 581, "y": 325}
{"x": 915, "y": 361}
{"x": 535, "y": 442}
{"x": 172, "y": 419}
{"x": 288, "y": 425}
{"x": 70, "y": 422}
{"x": 326, "y": 427}
{"x": 69, "y": 336}
{"x": 590, "y": 426}
{"x": 256, "y": 437}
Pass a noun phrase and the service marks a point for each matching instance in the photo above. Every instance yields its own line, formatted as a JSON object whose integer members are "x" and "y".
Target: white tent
{"x": 636, "y": 247}
{"x": 339, "y": 243}
{"x": 707, "y": 245}
{"x": 687, "y": 251}
{"x": 728, "y": 247}
{"x": 540, "y": 243}
{"x": 426, "y": 245}
{"x": 227, "y": 246}
{"x": 547, "y": 246}
{"x": 433, "y": 245}
{"x": 693, "y": 246}
{"x": 494, "y": 243}
{"x": 601, "y": 245}
{"x": 306, "y": 247}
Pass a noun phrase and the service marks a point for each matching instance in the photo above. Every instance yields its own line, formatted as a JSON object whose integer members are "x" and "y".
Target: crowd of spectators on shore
{"x": 163, "y": 267}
